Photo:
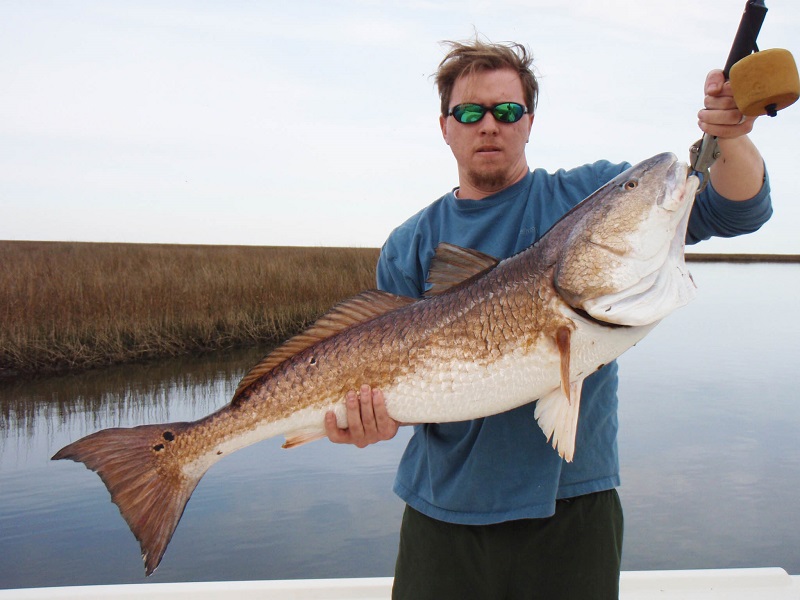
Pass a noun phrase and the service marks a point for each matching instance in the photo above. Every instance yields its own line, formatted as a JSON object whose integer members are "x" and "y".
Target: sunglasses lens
{"x": 508, "y": 112}
{"x": 468, "y": 113}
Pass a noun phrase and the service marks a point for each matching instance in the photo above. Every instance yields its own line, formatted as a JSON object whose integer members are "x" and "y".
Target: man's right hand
{"x": 367, "y": 419}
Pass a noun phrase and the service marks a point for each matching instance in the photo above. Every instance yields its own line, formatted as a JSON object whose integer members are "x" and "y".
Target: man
{"x": 492, "y": 510}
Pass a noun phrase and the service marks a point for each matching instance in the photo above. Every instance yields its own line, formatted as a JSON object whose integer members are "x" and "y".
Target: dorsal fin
{"x": 453, "y": 265}
{"x": 358, "y": 309}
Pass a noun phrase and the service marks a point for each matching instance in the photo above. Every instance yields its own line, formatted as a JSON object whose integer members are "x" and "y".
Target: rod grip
{"x": 745, "y": 41}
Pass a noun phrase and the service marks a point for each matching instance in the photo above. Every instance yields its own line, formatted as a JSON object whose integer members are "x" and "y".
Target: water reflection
{"x": 123, "y": 393}
{"x": 710, "y": 463}
{"x": 709, "y": 419}
{"x": 262, "y": 513}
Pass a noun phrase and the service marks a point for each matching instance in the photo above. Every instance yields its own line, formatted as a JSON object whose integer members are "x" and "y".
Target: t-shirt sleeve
{"x": 715, "y": 215}
{"x": 605, "y": 171}
{"x": 392, "y": 275}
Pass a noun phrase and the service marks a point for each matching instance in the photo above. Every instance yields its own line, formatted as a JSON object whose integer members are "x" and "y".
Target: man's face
{"x": 490, "y": 154}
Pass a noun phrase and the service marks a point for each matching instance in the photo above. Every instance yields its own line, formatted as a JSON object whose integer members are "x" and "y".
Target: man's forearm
{"x": 738, "y": 173}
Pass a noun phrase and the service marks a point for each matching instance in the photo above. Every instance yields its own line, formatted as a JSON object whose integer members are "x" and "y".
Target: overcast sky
{"x": 315, "y": 122}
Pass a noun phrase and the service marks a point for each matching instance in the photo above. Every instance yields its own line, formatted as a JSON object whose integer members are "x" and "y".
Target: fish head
{"x": 622, "y": 254}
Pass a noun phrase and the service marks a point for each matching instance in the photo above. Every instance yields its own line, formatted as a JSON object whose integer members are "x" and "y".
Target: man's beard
{"x": 489, "y": 179}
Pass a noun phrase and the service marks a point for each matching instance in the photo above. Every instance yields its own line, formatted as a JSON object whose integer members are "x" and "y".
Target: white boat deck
{"x": 728, "y": 584}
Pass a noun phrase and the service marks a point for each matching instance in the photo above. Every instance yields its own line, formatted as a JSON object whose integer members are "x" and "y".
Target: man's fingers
{"x": 354, "y": 424}
{"x": 336, "y": 435}
{"x": 368, "y": 421}
{"x": 715, "y": 83}
{"x": 367, "y": 412}
{"x": 387, "y": 427}
{"x": 722, "y": 117}
{"x": 733, "y": 126}
{"x": 720, "y": 103}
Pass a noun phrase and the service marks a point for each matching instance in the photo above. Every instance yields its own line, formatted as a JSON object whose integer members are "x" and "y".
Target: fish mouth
{"x": 681, "y": 187}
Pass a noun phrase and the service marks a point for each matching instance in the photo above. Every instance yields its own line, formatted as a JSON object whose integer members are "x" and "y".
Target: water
{"x": 710, "y": 460}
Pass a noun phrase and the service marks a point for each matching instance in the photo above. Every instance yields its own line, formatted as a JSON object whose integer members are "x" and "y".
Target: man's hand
{"x": 721, "y": 117}
{"x": 738, "y": 173}
{"x": 368, "y": 421}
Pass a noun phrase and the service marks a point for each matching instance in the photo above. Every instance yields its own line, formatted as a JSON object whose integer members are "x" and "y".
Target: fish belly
{"x": 461, "y": 390}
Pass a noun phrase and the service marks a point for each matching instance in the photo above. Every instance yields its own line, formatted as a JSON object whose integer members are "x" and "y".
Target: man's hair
{"x": 473, "y": 56}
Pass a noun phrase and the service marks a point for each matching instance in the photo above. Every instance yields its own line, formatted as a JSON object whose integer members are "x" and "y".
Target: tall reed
{"x": 67, "y": 305}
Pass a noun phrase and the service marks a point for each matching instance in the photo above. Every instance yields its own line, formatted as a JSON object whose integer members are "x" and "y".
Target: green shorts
{"x": 575, "y": 554}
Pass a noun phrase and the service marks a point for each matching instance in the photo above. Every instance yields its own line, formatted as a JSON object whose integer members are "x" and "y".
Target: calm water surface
{"x": 709, "y": 447}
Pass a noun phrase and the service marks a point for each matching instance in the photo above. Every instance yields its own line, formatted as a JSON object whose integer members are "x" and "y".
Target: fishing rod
{"x": 763, "y": 82}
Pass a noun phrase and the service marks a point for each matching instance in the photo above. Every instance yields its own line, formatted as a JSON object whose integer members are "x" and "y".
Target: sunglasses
{"x": 505, "y": 112}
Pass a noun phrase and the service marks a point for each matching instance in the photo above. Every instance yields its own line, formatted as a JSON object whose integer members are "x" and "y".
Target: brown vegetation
{"x": 66, "y": 306}
{"x": 69, "y": 306}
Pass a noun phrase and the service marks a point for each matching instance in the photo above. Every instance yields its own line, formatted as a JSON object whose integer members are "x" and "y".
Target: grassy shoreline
{"x": 70, "y": 306}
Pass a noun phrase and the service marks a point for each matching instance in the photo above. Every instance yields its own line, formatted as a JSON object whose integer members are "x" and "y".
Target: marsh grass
{"x": 68, "y": 306}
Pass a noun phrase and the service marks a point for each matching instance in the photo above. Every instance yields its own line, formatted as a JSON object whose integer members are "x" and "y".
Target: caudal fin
{"x": 142, "y": 470}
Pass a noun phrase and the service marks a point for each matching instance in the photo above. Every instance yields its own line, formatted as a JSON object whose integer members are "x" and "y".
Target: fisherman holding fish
{"x": 506, "y": 367}
{"x": 492, "y": 510}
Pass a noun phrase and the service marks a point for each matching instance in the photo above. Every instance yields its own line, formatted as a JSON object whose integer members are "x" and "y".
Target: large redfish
{"x": 488, "y": 337}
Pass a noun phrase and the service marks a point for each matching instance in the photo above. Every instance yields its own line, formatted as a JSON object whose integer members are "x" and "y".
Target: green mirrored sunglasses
{"x": 505, "y": 112}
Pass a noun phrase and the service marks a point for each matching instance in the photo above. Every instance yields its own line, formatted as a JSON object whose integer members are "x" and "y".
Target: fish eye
{"x": 631, "y": 184}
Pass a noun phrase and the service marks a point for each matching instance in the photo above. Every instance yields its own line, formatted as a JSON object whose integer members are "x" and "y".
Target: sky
{"x": 315, "y": 123}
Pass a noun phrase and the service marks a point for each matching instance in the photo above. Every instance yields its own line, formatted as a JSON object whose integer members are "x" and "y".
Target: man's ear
{"x": 443, "y": 126}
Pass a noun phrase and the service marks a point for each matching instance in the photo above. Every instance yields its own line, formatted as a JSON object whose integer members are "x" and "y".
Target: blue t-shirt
{"x": 501, "y": 467}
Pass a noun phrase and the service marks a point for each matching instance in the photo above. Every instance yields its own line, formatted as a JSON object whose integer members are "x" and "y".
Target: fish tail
{"x": 141, "y": 468}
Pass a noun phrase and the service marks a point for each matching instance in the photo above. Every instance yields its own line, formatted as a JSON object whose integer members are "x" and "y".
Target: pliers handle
{"x": 702, "y": 155}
